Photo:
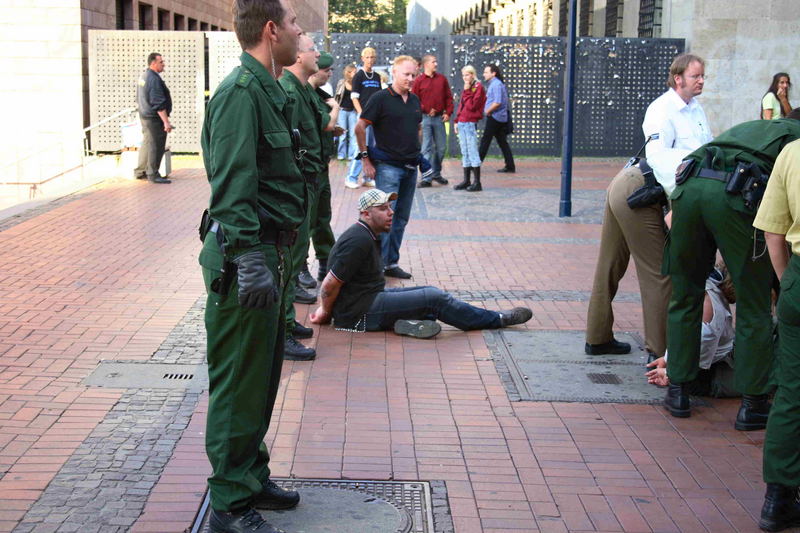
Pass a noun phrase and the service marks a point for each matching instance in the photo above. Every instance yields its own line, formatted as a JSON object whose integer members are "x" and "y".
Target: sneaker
{"x": 274, "y": 498}
{"x": 420, "y": 329}
{"x": 159, "y": 179}
{"x": 351, "y": 183}
{"x": 293, "y": 350}
{"x": 305, "y": 279}
{"x": 299, "y": 331}
{"x": 369, "y": 183}
{"x": 424, "y": 183}
{"x": 518, "y": 315}
{"x": 302, "y": 296}
{"x": 507, "y": 170}
{"x": 248, "y": 520}
{"x": 427, "y": 175}
{"x": 440, "y": 180}
{"x": 396, "y": 272}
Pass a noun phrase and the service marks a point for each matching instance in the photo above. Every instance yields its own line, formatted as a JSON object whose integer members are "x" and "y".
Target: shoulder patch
{"x": 244, "y": 78}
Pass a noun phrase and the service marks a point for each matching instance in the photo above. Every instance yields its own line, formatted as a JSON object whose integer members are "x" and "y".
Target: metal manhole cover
{"x": 552, "y": 366}
{"x": 336, "y": 506}
{"x": 144, "y": 375}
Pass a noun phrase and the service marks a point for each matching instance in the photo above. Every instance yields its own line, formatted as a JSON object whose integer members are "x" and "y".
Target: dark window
{"x": 614, "y": 18}
{"x": 179, "y": 22}
{"x": 145, "y": 16}
{"x": 204, "y": 26}
{"x": 650, "y": 18}
{"x": 192, "y": 25}
{"x": 124, "y": 14}
{"x": 563, "y": 16}
{"x": 214, "y": 28}
{"x": 163, "y": 19}
{"x": 585, "y": 22}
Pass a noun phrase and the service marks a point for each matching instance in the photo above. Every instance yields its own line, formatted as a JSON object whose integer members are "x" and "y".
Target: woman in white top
{"x": 775, "y": 103}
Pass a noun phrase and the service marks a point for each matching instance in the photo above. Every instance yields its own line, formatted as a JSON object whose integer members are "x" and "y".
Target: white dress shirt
{"x": 678, "y": 129}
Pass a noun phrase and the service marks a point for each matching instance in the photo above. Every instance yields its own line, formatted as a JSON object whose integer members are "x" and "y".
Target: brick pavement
{"x": 113, "y": 275}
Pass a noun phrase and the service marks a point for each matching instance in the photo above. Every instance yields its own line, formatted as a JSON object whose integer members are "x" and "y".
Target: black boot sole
{"x": 772, "y": 525}
{"x": 677, "y": 413}
{"x": 750, "y": 426}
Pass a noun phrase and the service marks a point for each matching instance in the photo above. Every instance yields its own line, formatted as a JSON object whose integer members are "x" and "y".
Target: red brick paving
{"x": 108, "y": 275}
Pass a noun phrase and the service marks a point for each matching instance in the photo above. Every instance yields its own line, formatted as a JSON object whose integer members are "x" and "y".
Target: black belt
{"x": 714, "y": 174}
{"x": 278, "y": 237}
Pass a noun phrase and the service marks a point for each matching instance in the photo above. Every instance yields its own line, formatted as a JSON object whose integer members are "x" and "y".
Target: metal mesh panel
{"x": 117, "y": 59}
{"x": 532, "y": 68}
{"x": 616, "y": 79}
{"x": 224, "y": 52}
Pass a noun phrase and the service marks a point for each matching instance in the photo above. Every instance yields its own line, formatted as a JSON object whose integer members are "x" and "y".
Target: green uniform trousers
{"x": 630, "y": 232}
{"x": 299, "y": 252}
{"x": 705, "y": 218}
{"x": 782, "y": 441}
{"x": 320, "y": 222}
{"x": 245, "y": 355}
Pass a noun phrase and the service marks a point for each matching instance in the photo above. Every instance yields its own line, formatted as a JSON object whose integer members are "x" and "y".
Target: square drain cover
{"x": 552, "y": 366}
{"x": 130, "y": 375}
{"x": 336, "y": 506}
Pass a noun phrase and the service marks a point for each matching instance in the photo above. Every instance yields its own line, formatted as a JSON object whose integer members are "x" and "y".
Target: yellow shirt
{"x": 780, "y": 209}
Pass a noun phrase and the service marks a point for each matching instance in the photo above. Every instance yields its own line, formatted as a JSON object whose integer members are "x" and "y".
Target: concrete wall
{"x": 743, "y": 46}
{"x": 432, "y": 16}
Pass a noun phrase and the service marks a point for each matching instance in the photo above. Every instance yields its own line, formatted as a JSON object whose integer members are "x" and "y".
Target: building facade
{"x": 730, "y": 35}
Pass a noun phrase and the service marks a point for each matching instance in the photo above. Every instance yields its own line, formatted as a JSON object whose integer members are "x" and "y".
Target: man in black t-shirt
{"x": 353, "y": 292}
{"x": 395, "y": 115}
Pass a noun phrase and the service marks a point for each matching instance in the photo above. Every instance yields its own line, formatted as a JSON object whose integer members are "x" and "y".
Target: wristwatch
{"x": 362, "y": 155}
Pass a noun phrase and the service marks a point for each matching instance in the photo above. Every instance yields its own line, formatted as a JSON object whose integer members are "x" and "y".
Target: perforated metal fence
{"x": 616, "y": 80}
{"x": 118, "y": 58}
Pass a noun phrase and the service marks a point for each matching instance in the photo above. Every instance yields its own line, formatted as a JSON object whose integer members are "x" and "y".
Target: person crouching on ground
{"x": 353, "y": 293}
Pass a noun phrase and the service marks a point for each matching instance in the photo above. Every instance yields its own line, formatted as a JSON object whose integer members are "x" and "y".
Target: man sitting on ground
{"x": 353, "y": 292}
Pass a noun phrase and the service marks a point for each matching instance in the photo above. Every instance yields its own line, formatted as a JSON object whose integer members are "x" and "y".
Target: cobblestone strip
{"x": 540, "y": 296}
{"x": 498, "y": 238}
{"x": 104, "y": 486}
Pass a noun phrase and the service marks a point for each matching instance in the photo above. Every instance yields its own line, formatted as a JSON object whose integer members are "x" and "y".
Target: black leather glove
{"x": 257, "y": 287}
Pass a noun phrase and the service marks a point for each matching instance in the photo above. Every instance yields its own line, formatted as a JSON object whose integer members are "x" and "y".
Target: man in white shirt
{"x": 676, "y": 125}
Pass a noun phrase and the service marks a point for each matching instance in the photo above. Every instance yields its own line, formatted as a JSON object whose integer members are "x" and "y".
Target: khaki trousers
{"x": 630, "y": 232}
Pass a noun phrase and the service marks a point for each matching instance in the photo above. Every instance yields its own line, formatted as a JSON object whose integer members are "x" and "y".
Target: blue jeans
{"x": 355, "y": 166}
{"x": 468, "y": 141}
{"x": 347, "y": 141}
{"x": 403, "y": 181}
{"x": 434, "y": 139}
{"x": 426, "y": 303}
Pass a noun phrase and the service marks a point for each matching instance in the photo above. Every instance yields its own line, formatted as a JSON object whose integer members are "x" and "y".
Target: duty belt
{"x": 279, "y": 237}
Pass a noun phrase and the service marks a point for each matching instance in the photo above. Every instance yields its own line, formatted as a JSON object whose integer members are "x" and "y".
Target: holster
{"x": 650, "y": 193}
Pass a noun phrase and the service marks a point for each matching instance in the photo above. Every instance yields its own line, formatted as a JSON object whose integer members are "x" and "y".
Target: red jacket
{"x": 470, "y": 107}
{"x": 434, "y": 93}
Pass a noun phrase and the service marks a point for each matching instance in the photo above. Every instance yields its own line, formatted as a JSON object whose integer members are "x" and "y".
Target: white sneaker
{"x": 351, "y": 183}
{"x": 369, "y": 183}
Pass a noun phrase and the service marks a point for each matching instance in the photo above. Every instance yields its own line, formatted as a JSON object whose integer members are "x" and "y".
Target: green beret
{"x": 325, "y": 60}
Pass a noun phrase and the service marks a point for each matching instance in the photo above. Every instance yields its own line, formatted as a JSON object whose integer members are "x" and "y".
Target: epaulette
{"x": 244, "y": 78}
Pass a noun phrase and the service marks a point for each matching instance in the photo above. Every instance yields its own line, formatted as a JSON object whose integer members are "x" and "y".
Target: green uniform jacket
{"x": 248, "y": 156}
{"x": 328, "y": 145}
{"x": 757, "y": 141}
{"x": 308, "y": 117}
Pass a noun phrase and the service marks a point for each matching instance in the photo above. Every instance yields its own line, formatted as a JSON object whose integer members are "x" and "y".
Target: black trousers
{"x": 153, "y": 142}
{"x": 495, "y": 129}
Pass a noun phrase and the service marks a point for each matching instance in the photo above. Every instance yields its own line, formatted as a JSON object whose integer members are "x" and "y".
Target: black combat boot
{"x": 476, "y": 186}
{"x": 781, "y": 509}
{"x": 323, "y": 269}
{"x": 305, "y": 279}
{"x": 464, "y": 184}
{"x": 753, "y": 413}
{"x": 677, "y": 401}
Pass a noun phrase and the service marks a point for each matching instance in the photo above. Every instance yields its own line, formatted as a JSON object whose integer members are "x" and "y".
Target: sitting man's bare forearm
{"x": 328, "y": 293}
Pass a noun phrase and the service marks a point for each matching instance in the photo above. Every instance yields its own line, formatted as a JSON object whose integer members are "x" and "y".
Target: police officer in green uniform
{"x": 320, "y": 216}
{"x": 257, "y": 203}
{"x": 779, "y": 218}
{"x": 311, "y": 120}
{"x": 713, "y": 206}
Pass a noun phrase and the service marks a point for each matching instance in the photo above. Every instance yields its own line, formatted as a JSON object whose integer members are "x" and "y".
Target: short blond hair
{"x": 402, "y": 59}
{"x": 368, "y": 50}
{"x": 470, "y": 69}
